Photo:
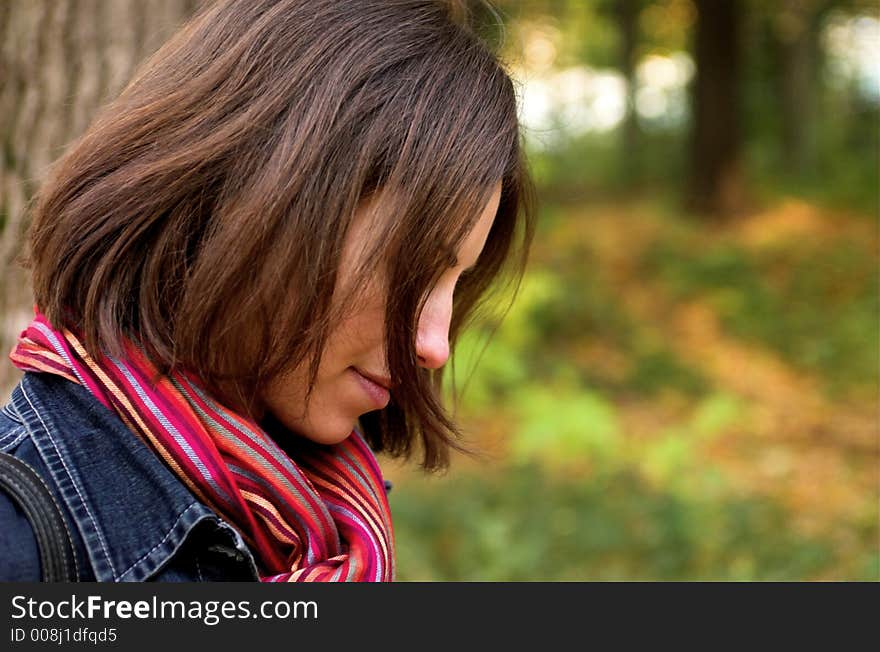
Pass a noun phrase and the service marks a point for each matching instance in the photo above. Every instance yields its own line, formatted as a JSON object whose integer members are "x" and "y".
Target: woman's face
{"x": 355, "y": 350}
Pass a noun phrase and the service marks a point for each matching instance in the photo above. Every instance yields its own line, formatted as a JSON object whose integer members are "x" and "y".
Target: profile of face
{"x": 353, "y": 376}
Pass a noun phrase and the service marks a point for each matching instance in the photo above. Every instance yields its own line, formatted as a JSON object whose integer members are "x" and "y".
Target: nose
{"x": 432, "y": 339}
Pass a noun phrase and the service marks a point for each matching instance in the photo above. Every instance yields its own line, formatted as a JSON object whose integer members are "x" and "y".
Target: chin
{"x": 331, "y": 433}
{"x": 326, "y": 431}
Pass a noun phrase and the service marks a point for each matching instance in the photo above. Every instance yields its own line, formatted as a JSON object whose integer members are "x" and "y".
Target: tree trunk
{"x": 627, "y": 20}
{"x": 797, "y": 33}
{"x": 59, "y": 60}
{"x": 716, "y": 182}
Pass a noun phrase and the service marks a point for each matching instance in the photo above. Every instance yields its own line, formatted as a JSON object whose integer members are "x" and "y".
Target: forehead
{"x": 378, "y": 209}
{"x": 373, "y": 221}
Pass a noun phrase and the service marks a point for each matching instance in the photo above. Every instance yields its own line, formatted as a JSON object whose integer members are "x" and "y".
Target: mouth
{"x": 381, "y": 381}
{"x": 373, "y": 387}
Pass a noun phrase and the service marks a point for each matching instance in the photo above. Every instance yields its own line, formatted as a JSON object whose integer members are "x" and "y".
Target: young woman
{"x": 248, "y": 275}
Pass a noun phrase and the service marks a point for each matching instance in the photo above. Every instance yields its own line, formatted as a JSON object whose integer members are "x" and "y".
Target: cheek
{"x": 358, "y": 334}
{"x": 285, "y": 396}
{"x": 360, "y": 331}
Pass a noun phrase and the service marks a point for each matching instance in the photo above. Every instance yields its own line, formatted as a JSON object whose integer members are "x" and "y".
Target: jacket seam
{"x": 60, "y": 453}
{"x": 9, "y": 410}
{"x": 164, "y": 539}
{"x": 12, "y": 438}
{"x": 73, "y": 483}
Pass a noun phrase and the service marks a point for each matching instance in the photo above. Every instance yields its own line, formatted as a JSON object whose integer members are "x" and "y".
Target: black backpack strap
{"x": 29, "y": 491}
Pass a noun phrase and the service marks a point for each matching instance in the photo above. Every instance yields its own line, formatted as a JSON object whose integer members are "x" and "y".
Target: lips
{"x": 377, "y": 393}
{"x": 382, "y": 381}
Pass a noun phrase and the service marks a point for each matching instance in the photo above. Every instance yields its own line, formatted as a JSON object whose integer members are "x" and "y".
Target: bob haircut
{"x": 203, "y": 212}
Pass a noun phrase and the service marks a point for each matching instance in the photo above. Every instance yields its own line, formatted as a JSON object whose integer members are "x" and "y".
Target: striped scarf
{"x": 322, "y": 517}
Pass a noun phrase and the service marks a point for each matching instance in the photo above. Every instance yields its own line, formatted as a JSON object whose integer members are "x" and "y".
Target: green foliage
{"x": 581, "y": 493}
{"x": 818, "y": 307}
{"x": 524, "y": 523}
{"x": 713, "y": 414}
{"x": 559, "y": 423}
{"x": 579, "y": 166}
{"x": 673, "y": 457}
{"x": 560, "y": 306}
{"x": 656, "y": 369}
{"x": 577, "y": 496}
{"x": 839, "y": 120}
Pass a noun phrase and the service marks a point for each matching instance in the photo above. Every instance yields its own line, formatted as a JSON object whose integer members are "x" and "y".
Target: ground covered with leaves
{"x": 670, "y": 399}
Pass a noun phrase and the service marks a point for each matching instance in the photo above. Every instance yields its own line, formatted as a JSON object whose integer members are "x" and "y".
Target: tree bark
{"x": 59, "y": 60}
{"x": 716, "y": 180}
{"x": 627, "y": 20}
{"x": 797, "y": 35}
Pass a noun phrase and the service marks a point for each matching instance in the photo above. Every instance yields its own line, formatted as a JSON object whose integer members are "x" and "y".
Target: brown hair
{"x": 203, "y": 212}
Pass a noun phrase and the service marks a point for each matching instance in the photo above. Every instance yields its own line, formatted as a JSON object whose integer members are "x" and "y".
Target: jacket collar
{"x": 132, "y": 512}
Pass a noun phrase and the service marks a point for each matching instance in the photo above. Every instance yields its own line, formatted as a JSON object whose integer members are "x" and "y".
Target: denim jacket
{"x": 130, "y": 517}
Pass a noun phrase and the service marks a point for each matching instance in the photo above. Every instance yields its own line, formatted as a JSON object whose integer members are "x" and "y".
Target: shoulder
{"x": 19, "y": 557}
{"x": 130, "y": 517}
{"x": 23, "y": 476}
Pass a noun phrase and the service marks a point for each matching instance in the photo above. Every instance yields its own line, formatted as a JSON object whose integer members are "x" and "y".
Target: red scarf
{"x": 322, "y": 517}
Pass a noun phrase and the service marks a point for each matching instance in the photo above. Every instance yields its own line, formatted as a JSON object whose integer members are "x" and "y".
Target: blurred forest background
{"x": 686, "y": 386}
